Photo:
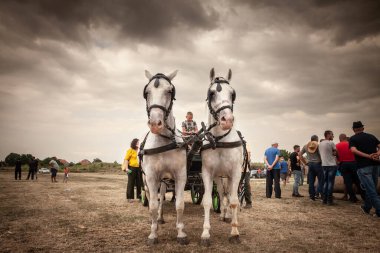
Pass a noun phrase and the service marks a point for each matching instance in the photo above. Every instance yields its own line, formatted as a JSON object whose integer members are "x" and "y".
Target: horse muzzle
{"x": 156, "y": 126}
{"x": 226, "y": 122}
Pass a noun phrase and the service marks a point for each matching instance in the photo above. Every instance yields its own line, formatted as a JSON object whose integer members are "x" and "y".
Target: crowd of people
{"x": 356, "y": 158}
{"x": 33, "y": 166}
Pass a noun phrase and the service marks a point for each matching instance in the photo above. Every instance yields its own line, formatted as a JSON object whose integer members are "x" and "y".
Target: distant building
{"x": 63, "y": 161}
{"x": 85, "y": 162}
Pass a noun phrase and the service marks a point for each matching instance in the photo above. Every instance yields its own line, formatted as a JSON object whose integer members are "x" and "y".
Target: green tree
{"x": 285, "y": 154}
{"x": 11, "y": 159}
{"x": 97, "y": 160}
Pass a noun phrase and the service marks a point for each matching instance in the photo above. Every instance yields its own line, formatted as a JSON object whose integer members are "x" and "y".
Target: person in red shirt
{"x": 347, "y": 166}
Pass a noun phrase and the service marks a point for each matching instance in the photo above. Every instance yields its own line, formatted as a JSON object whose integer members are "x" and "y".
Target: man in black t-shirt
{"x": 296, "y": 170}
{"x": 366, "y": 149}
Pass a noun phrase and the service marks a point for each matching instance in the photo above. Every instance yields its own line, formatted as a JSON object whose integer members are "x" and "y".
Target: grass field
{"x": 90, "y": 213}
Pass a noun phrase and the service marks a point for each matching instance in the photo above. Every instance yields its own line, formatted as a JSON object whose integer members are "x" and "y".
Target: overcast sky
{"x": 72, "y": 72}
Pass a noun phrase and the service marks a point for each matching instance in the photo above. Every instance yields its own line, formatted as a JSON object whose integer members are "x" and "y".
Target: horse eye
{"x": 212, "y": 93}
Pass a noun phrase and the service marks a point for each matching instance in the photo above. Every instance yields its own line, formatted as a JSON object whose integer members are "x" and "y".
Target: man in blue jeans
{"x": 315, "y": 166}
{"x": 271, "y": 158}
{"x": 328, "y": 152}
{"x": 366, "y": 149}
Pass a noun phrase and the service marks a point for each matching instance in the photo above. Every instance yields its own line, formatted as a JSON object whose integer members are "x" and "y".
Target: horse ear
{"x": 172, "y": 75}
{"x": 229, "y": 75}
{"x": 212, "y": 74}
{"x": 148, "y": 74}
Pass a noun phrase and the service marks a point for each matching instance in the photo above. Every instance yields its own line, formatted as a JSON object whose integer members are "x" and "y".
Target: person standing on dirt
{"x": 36, "y": 164}
{"x": 295, "y": 165}
{"x": 271, "y": 158}
{"x": 18, "y": 169}
{"x": 247, "y": 179}
{"x": 33, "y": 166}
{"x": 66, "y": 171}
{"x": 347, "y": 166}
{"x": 132, "y": 166}
{"x": 328, "y": 152}
{"x": 283, "y": 170}
{"x": 366, "y": 149}
{"x": 54, "y": 170}
{"x": 314, "y": 163}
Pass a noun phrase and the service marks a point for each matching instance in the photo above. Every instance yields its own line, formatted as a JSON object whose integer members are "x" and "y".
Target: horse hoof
{"x": 227, "y": 220}
{"x": 234, "y": 239}
{"x": 151, "y": 242}
{"x": 183, "y": 240}
{"x": 160, "y": 221}
{"x": 205, "y": 242}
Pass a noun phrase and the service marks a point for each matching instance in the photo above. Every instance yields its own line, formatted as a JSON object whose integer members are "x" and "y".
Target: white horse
{"x": 161, "y": 156}
{"x": 226, "y": 160}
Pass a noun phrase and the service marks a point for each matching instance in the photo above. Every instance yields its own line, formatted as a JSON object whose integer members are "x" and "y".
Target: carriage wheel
{"x": 196, "y": 194}
{"x": 144, "y": 199}
{"x": 215, "y": 202}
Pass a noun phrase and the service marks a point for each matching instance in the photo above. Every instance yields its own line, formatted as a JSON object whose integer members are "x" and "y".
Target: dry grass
{"x": 90, "y": 213}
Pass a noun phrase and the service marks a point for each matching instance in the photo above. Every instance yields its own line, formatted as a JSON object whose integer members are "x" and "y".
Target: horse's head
{"x": 220, "y": 100}
{"x": 159, "y": 94}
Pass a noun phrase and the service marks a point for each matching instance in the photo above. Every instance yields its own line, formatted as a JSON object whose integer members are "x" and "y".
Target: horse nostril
{"x": 223, "y": 119}
{"x": 159, "y": 123}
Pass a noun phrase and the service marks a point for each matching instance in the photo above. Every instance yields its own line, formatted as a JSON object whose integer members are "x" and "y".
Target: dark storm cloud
{"x": 141, "y": 21}
{"x": 345, "y": 20}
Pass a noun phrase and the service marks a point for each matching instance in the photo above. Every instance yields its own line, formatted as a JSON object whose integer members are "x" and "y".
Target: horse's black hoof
{"x": 151, "y": 242}
{"x": 234, "y": 239}
{"x": 183, "y": 240}
{"x": 160, "y": 221}
{"x": 205, "y": 242}
{"x": 227, "y": 220}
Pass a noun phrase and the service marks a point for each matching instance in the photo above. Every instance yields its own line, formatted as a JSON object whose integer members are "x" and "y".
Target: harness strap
{"x": 158, "y": 150}
{"x": 234, "y": 144}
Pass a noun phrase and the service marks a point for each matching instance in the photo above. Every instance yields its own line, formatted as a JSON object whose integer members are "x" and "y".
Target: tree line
{"x": 12, "y": 158}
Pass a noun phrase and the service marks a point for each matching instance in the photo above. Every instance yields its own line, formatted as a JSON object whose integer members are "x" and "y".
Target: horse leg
{"x": 180, "y": 206}
{"x": 160, "y": 218}
{"x": 234, "y": 203}
{"x": 207, "y": 181}
{"x": 153, "y": 209}
{"x": 228, "y": 216}
{"x": 219, "y": 187}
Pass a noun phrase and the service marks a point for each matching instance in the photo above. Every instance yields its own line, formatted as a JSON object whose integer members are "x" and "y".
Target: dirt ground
{"x": 90, "y": 213}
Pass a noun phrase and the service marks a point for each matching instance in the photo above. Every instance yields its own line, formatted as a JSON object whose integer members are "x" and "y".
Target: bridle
{"x": 163, "y": 108}
{"x": 215, "y": 113}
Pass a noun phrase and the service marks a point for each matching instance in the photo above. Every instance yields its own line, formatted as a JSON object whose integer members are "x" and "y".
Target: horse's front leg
{"x": 160, "y": 218}
{"x": 207, "y": 181}
{"x": 220, "y": 188}
{"x": 234, "y": 204}
{"x": 180, "y": 206}
{"x": 153, "y": 184}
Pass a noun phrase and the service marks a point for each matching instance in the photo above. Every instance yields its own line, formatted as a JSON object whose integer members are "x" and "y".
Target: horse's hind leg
{"x": 234, "y": 203}
{"x": 160, "y": 218}
{"x": 180, "y": 206}
{"x": 152, "y": 184}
